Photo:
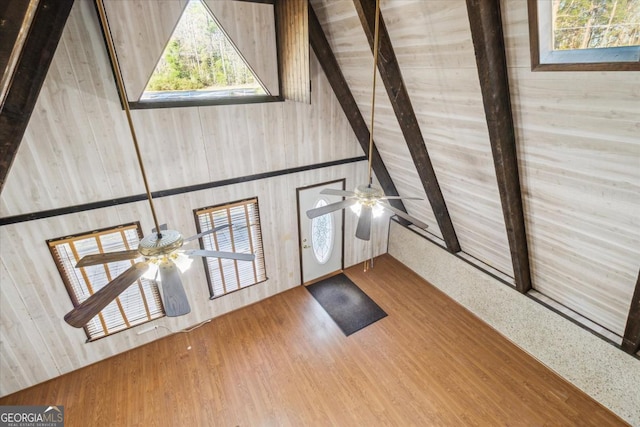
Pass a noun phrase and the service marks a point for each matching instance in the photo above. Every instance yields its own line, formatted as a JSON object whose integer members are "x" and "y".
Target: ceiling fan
{"x": 162, "y": 248}
{"x": 367, "y": 199}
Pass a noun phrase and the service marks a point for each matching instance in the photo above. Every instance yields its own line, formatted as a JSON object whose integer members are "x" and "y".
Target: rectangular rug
{"x": 346, "y": 303}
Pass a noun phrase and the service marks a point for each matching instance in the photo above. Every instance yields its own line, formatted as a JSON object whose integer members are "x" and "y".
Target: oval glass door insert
{"x": 322, "y": 234}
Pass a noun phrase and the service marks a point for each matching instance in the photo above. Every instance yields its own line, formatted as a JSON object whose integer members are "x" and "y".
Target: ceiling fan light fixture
{"x": 368, "y": 195}
{"x": 378, "y": 210}
{"x": 181, "y": 260}
{"x": 367, "y": 201}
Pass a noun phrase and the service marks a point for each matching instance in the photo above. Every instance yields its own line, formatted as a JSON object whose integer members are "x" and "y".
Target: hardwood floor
{"x": 284, "y": 362}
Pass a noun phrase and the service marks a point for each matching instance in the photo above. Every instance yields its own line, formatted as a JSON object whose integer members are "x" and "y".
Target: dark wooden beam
{"x": 399, "y": 97}
{"x": 14, "y": 17}
{"x": 488, "y": 42}
{"x": 30, "y": 72}
{"x": 33, "y": 216}
{"x": 338, "y": 83}
{"x": 631, "y": 339}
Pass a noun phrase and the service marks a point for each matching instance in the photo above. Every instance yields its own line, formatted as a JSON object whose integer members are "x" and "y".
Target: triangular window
{"x": 201, "y": 63}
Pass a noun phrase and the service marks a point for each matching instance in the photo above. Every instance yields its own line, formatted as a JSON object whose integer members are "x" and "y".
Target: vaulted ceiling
{"x": 534, "y": 176}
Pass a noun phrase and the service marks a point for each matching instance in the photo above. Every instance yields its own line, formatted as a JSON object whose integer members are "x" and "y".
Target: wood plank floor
{"x": 283, "y": 362}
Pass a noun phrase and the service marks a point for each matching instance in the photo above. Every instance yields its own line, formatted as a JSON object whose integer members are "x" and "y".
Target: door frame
{"x": 306, "y": 187}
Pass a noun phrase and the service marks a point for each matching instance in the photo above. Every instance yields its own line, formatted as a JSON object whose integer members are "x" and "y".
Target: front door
{"x": 320, "y": 238}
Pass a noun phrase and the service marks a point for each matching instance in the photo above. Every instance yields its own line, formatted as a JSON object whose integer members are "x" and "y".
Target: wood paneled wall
{"x": 140, "y": 31}
{"x": 78, "y": 149}
{"x": 251, "y": 28}
{"x": 432, "y": 42}
{"x": 578, "y": 149}
{"x": 36, "y": 343}
{"x": 579, "y": 154}
{"x": 293, "y": 48}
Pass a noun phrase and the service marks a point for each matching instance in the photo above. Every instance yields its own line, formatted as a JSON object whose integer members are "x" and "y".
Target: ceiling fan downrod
{"x": 373, "y": 92}
{"x": 125, "y": 104}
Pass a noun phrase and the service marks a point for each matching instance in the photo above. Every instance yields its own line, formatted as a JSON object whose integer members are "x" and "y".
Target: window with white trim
{"x": 138, "y": 304}
{"x": 243, "y": 235}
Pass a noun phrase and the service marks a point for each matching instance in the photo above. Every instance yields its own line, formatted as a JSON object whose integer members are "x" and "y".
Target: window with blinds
{"x": 139, "y": 303}
{"x": 243, "y": 235}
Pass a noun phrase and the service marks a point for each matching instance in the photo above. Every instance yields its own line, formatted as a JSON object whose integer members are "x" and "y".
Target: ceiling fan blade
{"x": 217, "y": 254}
{"x": 204, "y": 233}
{"x": 332, "y": 207}
{"x": 406, "y": 216}
{"x": 363, "y": 231}
{"x": 96, "y": 259}
{"x": 89, "y": 308}
{"x": 400, "y": 198}
{"x": 333, "y": 192}
{"x": 173, "y": 294}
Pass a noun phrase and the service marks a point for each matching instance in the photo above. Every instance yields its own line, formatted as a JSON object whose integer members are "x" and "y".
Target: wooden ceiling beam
{"x": 631, "y": 339}
{"x": 329, "y": 63}
{"x": 399, "y": 97}
{"x": 29, "y": 74}
{"x": 486, "y": 31}
{"x": 15, "y": 20}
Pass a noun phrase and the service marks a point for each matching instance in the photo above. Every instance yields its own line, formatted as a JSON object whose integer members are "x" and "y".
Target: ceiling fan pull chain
{"x": 371, "y": 247}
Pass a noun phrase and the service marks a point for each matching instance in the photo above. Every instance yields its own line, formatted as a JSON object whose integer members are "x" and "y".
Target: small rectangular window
{"x": 138, "y": 304}
{"x": 243, "y": 235}
{"x": 585, "y": 35}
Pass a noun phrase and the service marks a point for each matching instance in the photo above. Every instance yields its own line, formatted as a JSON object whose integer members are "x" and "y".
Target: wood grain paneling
{"x": 283, "y": 361}
{"x": 433, "y": 47}
{"x": 78, "y": 149}
{"x": 79, "y": 129}
{"x": 140, "y": 31}
{"x": 577, "y": 145}
{"x": 293, "y": 48}
{"x": 251, "y": 28}
{"x": 25, "y": 72}
{"x": 400, "y": 100}
{"x": 580, "y": 167}
{"x": 38, "y": 345}
{"x": 327, "y": 59}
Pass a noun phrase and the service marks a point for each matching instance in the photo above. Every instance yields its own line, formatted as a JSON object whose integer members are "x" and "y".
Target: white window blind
{"x": 243, "y": 235}
{"x": 139, "y": 303}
